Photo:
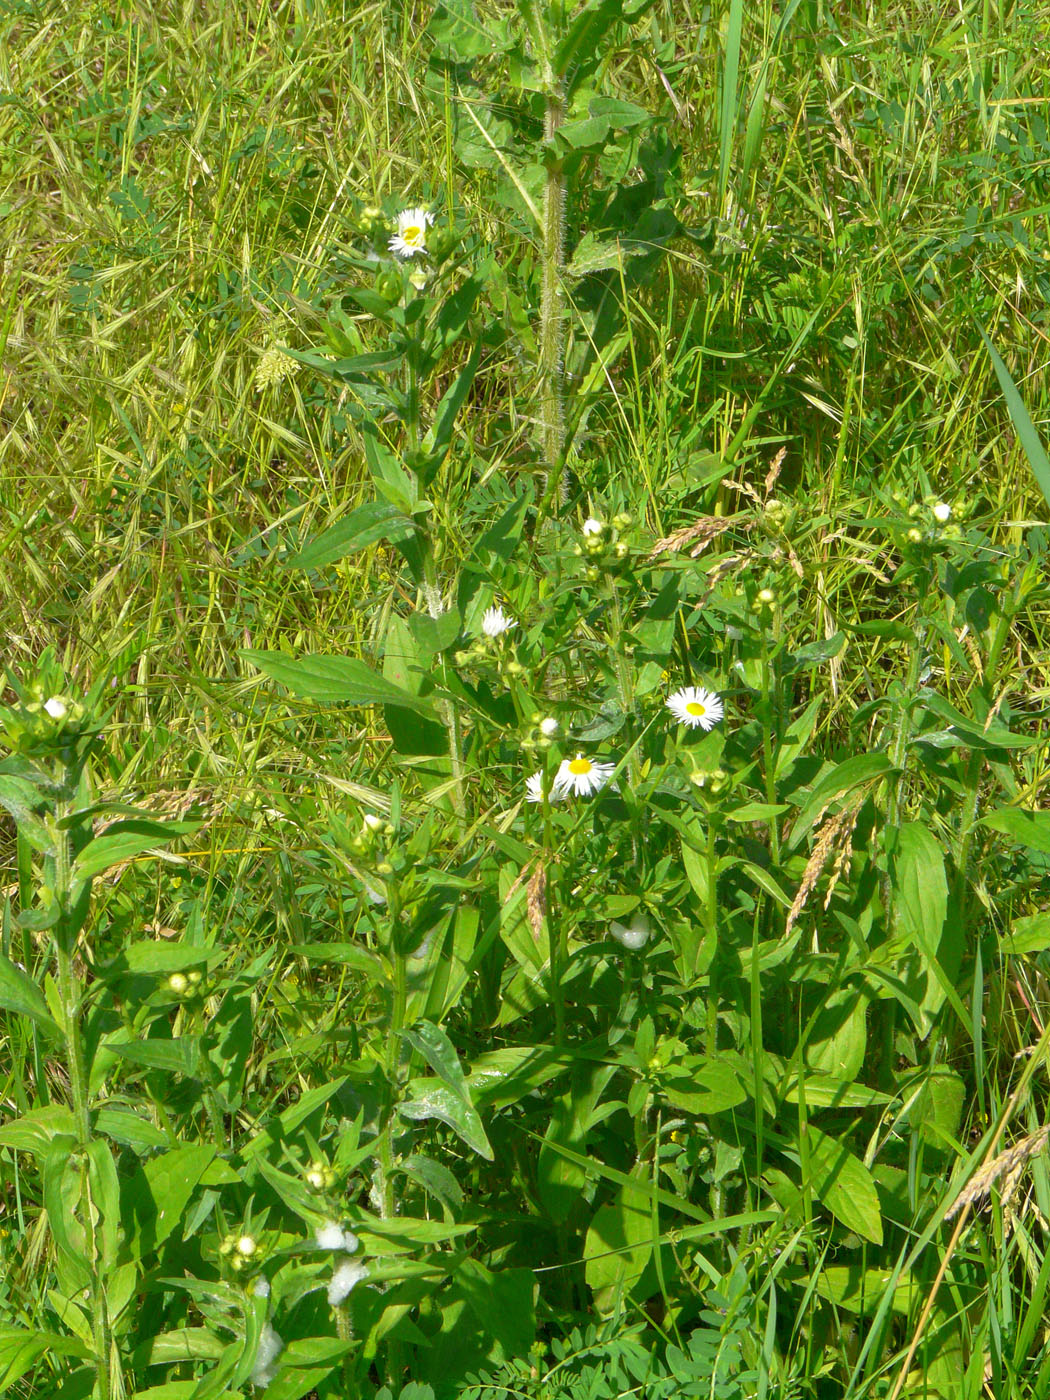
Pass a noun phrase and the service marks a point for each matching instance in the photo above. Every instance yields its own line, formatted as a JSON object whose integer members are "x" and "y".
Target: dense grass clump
{"x": 524, "y": 738}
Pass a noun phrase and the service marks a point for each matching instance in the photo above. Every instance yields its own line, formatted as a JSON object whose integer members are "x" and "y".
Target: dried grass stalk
{"x": 834, "y": 837}
{"x": 774, "y": 470}
{"x": 536, "y": 901}
{"x": 1008, "y": 1164}
{"x": 699, "y": 535}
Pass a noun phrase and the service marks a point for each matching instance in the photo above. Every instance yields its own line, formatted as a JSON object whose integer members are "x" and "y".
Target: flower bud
{"x": 441, "y": 242}
{"x": 915, "y": 536}
{"x": 390, "y": 285}
{"x": 942, "y": 512}
{"x": 178, "y": 983}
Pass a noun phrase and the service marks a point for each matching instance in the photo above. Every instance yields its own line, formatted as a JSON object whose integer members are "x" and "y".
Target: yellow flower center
{"x": 580, "y": 765}
{"x": 695, "y": 708}
{"x": 412, "y": 234}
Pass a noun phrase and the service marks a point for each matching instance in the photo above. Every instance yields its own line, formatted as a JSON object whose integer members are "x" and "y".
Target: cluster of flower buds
{"x": 319, "y": 1176}
{"x": 494, "y": 645}
{"x": 764, "y": 601}
{"x": 45, "y": 722}
{"x": 712, "y": 781}
{"x": 372, "y": 842}
{"x": 602, "y": 547}
{"x": 185, "y": 984}
{"x": 242, "y": 1252}
{"x": 542, "y": 732}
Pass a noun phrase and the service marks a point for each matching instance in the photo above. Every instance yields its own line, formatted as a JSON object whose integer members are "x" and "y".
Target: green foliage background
{"x": 761, "y": 290}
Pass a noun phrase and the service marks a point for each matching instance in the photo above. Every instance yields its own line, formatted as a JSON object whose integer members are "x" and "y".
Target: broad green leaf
{"x": 429, "y": 1098}
{"x": 33, "y": 1131}
{"x": 180, "y": 1055}
{"x": 501, "y": 1300}
{"x": 843, "y": 1183}
{"x": 618, "y": 1246}
{"x": 122, "y": 1124}
{"x": 1030, "y": 829}
{"x": 712, "y": 1087}
{"x": 838, "y": 1037}
{"x": 182, "y": 1344}
{"x": 440, "y": 1054}
{"x": 1030, "y": 934}
{"x": 937, "y": 1112}
{"x": 368, "y": 524}
{"x": 342, "y": 955}
{"x": 334, "y": 678}
{"x": 860, "y": 1290}
{"x": 20, "y": 994}
{"x": 1022, "y": 421}
{"x": 921, "y": 891}
{"x": 124, "y": 841}
{"x": 154, "y": 1198}
{"x": 304, "y": 1364}
{"x": 161, "y": 955}
{"x": 439, "y": 437}
{"x": 21, "y": 1348}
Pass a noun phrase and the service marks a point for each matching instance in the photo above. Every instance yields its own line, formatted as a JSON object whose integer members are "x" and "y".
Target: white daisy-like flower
{"x": 344, "y": 1280}
{"x": 496, "y": 622}
{"x": 411, "y": 236}
{"x": 269, "y": 1349}
{"x": 942, "y": 512}
{"x": 592, "y": 526}
{"x": 633, "y": 935}
{"x": 534, "y": 789}
{"x": 56, "y": 707}
{"x": 692, "y": 705}
{"x": 581, "y": 776}
{"x": 549, "y": 727}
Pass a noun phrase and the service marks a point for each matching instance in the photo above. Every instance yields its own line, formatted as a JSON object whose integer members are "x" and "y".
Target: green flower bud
{"x": 441, "y": 242}
{"x": 390, "y": 285}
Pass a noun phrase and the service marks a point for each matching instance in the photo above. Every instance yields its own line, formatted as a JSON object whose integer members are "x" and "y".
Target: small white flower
{"x": 580, "y": 776}
{"x": 549, "y": 727}
{"x": 942, "y": 512}
{"x": 496, "y": 622}
{"x": 411, "y": 236}
{"x": 345, "y": 1279}
{"x": 592, "y": 526}
{"x": 634, "y": 935}
{"x": 534, "y": 789}
{"x": 270, "y": 1348}
{"x": 692, "y": 705}
{"x": 56, "y": 707}
{"x": 246, "y": 1246}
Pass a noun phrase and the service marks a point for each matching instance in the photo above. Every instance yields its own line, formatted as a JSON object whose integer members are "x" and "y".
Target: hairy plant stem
{"x": 557, "y": 938}
{"x": 769, "y": 698}
{"x": 973, "y": 775}
{"x": 449, "y": 717}
{"x": 711, "y": 939}
{"x": 69, "y": 991}
{"x": 552, "y": 317}
{"x": 388, "y": 1197}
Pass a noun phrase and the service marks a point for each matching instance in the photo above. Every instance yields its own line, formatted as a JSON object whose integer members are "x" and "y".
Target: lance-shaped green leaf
{"x": 1022, "y": 421}
{"x": 374, "y": 521}
{"x": 20, "y": 994}
{"x": 334, "y": 678}
{"x": 432, "y": 1099}
{"x": 124, "y": 841}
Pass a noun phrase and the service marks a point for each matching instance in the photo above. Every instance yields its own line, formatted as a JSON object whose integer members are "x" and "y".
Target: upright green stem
{"x": 69, "y": 991}
{"x": 552, "y": 318}
{"x": 768, "y": 762}
{"x": 711, "y": 939}
{"x": 557, "y": 937}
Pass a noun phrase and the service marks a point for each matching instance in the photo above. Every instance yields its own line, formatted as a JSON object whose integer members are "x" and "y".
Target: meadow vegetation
{"x": 524, "y": 590}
